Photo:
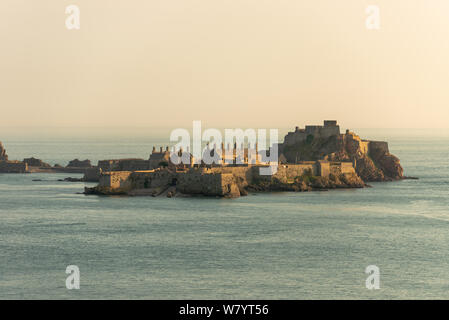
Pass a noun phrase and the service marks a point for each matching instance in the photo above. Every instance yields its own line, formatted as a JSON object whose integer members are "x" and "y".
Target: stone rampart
{"x": 124, "y": 165}
{"x": 115, "y": 180}
{"x": 13, "y": 167}
{"x": 227, "y": 181}
{"x": 378, "y": 147}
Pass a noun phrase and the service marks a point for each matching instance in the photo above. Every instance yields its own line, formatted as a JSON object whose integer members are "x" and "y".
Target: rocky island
{"x": 30, "y": 165}
{"x": 313, "y": 158}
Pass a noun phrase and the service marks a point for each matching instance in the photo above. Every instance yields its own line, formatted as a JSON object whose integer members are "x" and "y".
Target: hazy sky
{"x": 247, "y": 63}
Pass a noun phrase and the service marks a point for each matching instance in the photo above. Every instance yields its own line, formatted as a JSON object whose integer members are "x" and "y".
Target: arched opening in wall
{"x": 174, "y": 181}
{"x": 146, "y": 183}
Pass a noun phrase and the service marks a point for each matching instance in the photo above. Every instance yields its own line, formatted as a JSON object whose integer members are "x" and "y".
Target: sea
{"x": 311, "y": 245}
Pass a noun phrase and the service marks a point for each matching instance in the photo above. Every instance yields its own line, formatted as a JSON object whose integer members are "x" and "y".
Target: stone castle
{"x": 329, "y": 129}
{"x": 310, "y": 158}
{"x": 316, "y": 157}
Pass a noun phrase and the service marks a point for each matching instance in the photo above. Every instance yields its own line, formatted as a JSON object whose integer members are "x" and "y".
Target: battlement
{"x": 215, "y": 180}
{"x": 328, "y": 129}
{"x": 123, "y": 165}
{"x": 330, "y": 123}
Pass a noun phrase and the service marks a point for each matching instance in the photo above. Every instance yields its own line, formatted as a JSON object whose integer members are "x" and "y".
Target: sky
{"x": 229, "y": 63}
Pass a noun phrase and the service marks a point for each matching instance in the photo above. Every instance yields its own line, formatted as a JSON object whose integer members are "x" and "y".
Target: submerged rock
{"x": 70, "y": 179}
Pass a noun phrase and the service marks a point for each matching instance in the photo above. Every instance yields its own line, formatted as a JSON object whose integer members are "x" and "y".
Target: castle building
{"x": 158, "y": 158}
{"x": 330, "y": 128}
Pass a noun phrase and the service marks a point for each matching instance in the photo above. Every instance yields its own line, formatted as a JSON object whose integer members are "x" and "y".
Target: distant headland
{"x": 317, "y": 157}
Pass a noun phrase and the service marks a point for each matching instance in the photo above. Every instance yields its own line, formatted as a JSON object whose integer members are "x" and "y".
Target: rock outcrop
{"x": 372, "y": 159}
{"x": 33, "y": 162}
{"x": 3, "y": 155}
{"x": 314, "y": 158}
{"x": 309, "y": 182}
{"x": 79, "y": 164}
{"x": 386, "y": 162}
{"x": 226, "y": 182}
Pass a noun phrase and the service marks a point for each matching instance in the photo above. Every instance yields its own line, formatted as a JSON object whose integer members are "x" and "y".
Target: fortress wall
{"x": 291, "y": 171}
{"x": 322, "y": 132}
{"x": 294, "y": 137}
{"x": 216, "y": 181}
{"x": 228, "y": 185}
{"x": 242, "y": 174}
{"x": 124, "y": 165}
{"x": 157, "y": 157}
{"x": 338, "y": 168}
{"x": 355, "y": 144}
{"x": 151, "y": 179}
{"x": 314, "y": 130}
{"x": 329, "y": 131}
{"x": 92, "y": 174}
{"x": 247, "y": 174}
{"x": 191, "y": 182}
{"x": 13, "y": 167}
{"x": 286, "y": 172}
{"x": 378, "y": 146}
{"x": 107, "y": 165}
{"x": 115, "y": 179}
{"x": 324, "y": 168}
{"x": 364, "y": 146}
{"x": 335, "y": 168}
{"x": 347, "y": 168}
{"x": 211, "y": 184}
{"x": 330, "y": 123}
{"x": 134, "y": 165}
{"x": 160, "y": 179}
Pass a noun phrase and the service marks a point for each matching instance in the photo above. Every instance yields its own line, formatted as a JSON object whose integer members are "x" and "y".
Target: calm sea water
{"x": 273, "y": 246}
